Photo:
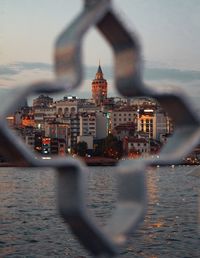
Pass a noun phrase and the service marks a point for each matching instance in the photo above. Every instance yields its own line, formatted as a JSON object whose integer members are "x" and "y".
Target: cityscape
{"x": 100, "y": 129}
{"x": 101, "y": 126}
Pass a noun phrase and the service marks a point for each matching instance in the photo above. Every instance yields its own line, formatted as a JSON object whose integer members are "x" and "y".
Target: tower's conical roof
{"x": 99, "y": 73}
{"x": 99, "y": 69}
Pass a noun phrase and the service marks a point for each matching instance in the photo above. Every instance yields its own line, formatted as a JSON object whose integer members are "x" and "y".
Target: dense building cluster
{"x": 100, "y": 126}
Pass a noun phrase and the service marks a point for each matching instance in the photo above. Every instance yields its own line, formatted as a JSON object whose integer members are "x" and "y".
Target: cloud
{"x": 171, "y": 74}
{"x": 18, "y": 67}
{"x": 7, "y": 70}
{"x": 23, "y": 73}
{"x": 33, "y": 65}
{"x": 150, "y": 72}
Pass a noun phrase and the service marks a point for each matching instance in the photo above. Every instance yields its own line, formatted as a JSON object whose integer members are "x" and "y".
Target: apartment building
{"x": 88, "y": 124}
{"x": 134, "y": 146}
{"x": 66, "y": 106}
{"x": 121, "y": 116}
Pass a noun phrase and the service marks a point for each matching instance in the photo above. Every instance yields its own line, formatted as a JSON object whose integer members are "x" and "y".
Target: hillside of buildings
{"x": 101, "y": 126}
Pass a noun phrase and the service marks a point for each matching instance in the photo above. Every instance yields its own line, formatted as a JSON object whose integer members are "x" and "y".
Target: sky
{"x": 168, "y": 32}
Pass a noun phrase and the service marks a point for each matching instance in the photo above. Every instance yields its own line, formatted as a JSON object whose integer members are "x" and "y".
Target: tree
{"x": 113, "y": 147}
{"x": 81, "y": 148}
{"x": 99, "y": 148}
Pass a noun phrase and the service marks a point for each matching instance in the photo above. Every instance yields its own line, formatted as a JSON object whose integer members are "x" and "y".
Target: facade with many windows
{"x": 134, "y": 146}
{"x": 88, "y": 124}
{"x": 146, "y": 122}
{"x": 122, "y": 116}
{"x": 66, "y": 106}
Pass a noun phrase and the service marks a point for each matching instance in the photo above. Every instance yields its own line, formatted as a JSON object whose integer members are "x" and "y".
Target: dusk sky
{"x": 168, "y": 32}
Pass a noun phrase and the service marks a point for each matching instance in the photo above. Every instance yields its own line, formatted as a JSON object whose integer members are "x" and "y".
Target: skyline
{"x": 187, "y": 80}
{"x": 167, "y": 32}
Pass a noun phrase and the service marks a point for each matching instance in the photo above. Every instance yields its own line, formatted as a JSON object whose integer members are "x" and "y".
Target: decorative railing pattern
{"x": 131, "y": 204}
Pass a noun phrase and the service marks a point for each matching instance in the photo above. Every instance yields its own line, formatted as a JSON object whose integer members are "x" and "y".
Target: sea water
{"x": 30, "y": 225}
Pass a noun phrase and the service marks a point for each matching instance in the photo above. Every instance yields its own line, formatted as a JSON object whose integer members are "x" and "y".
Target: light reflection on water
{"x": 30, "y": 225}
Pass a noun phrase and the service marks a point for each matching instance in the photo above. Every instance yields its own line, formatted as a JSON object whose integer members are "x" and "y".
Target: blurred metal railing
{"x": 129, "y": 82}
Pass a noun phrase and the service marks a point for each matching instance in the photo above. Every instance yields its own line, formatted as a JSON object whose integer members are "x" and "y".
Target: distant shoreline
{"x": 95, "y": 161}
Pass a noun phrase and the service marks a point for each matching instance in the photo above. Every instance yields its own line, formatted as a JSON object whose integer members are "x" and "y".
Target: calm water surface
{"x": 31, "y": 227}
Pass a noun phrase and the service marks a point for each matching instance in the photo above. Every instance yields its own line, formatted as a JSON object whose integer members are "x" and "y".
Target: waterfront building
{"x": 135, "y": 147}
{"x": 124, "y": 130}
